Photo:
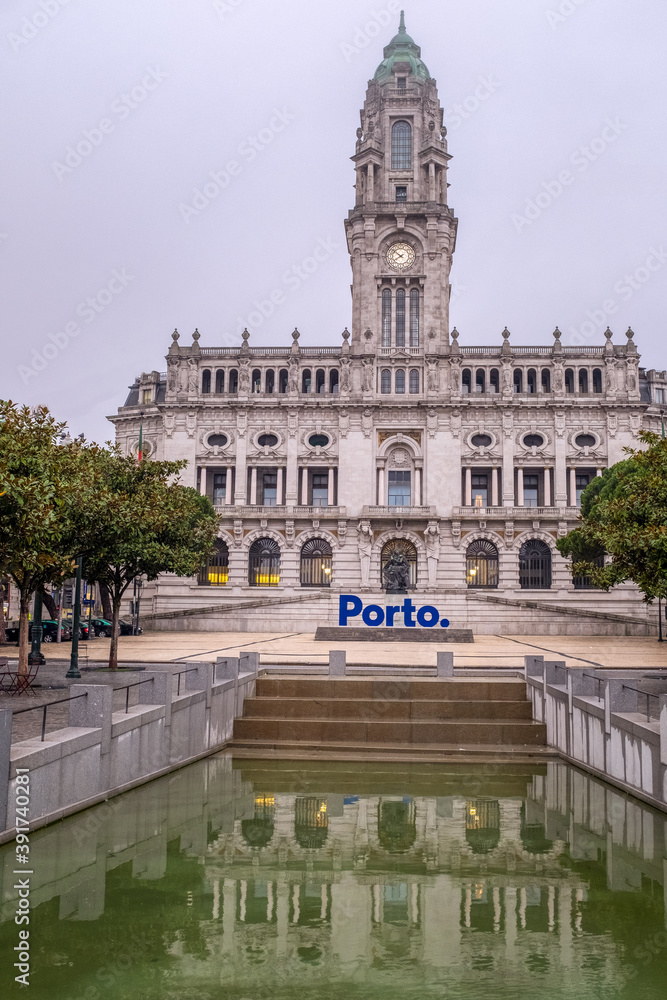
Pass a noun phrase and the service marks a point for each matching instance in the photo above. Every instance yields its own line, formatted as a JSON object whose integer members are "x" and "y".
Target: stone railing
{"x": 510, "y": 513}
{"x": 610, "y": 722}
{"x": 385, "y": 511}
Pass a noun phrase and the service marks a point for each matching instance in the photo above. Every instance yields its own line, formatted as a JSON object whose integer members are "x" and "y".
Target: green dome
{"x": 402, "y": 49}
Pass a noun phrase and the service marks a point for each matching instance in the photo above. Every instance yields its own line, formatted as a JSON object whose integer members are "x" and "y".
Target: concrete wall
{"x": 103, "y": 752}
{"x": 598, "y": 720}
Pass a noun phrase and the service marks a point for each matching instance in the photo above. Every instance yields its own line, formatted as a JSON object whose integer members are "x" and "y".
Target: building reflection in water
{"x": 509, "y": 876}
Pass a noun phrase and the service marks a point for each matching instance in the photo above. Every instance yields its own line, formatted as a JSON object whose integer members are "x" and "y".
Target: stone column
{"x": 279, "y": 486}
{"x": 371, "y": 182}
{"x": 331, "y": 499}
{"x": 304, "y": 487}
{"x": 494, "y": 487}
{"x": 431, "y": 181}
{"x": 229, "y": 495}
{"x": 467, "y": 499}
{"x": 292, "y": 477}
{"x": 547, "y": 486}
{"x": 241, "y": 472}
{"x": 519, "y": 487}
{"x": 573, "y": 487}
{"x": 418, "y": 488}
{"x": 253, "y": 486}
{"x": 382, "y": 499}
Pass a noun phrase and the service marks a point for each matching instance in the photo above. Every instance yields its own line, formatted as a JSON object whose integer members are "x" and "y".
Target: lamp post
{"x": 35, "y": 656}
{"x": 74, "y": 657}
{"x": 660, "y": 639}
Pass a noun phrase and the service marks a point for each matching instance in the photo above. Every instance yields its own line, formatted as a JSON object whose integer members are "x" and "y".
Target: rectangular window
{"x": 660, "y": 395}
{"x": 219, "y": 487}
{"x": 320, "y": 489}
{"x": 146, "y": 395}
{"x": 530, "y": 490}
{"x": 400, "y": 317}
{"x": 583, "y": 481}
{"x": 480, "y": 490}
{"x": 401, "y": 195}
{"x": 401, "y": 82}
{"x": 399, "y": 494}
{"x": 269, "y": 489}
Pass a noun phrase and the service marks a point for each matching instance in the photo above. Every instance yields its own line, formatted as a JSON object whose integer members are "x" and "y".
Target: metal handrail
{"x": 647, "y": 695}
{"x": 126, "y": 688}
{"x": 191, "y": 670}
{"x": 47, "y": 705}
{"x": 598, "y": 681}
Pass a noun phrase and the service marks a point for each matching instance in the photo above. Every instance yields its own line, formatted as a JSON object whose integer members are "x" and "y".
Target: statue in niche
{"x": 368, "y": 374}
{"x": 432, "y": 541}
{"x": 172, "y": 376}
{"x": 507, "y": 379}
{"x": 244, "y": 375}
{"x": 365, "y": 545}
{"x": 344, "y": 374}
{"x": 559, "y": 382}
{"x": 293, "y": 379}
{"x": 432, "y": 376}
{"x": 396, "y": 574}
{"x": 193, "y": 375}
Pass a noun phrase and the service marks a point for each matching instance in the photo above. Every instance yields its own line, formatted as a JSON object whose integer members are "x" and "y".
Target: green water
{"x": 253, "y": 880}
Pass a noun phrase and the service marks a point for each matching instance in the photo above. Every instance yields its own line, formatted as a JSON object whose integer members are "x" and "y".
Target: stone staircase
{"x": 380, "y": 714}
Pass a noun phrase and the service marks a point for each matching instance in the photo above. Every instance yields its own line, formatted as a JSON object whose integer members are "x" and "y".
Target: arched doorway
{"x": 316, "y": 557}
{"x": 482, "y": 564}
{"x": 264, "y": 563}
{"x": 215, "y": 573}
{"x": 535, "y": 565}
{"x": 398, "y": 564}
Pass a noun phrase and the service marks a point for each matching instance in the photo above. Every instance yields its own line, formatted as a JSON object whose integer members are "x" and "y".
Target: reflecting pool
{"x": 251, "y": 880}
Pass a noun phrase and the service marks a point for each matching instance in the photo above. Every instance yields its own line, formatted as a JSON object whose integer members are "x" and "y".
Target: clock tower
{"x": 401, "y": 233}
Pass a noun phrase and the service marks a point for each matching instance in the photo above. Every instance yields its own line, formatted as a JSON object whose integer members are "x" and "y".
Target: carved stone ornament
{"x": 508, "y": 423}
{"x": 509, "y": 534}
{"x": 386, "y": 435}
{"x": 455, "y": 423}
{"x": 191, "y": 424}
{"x": 289, "y": 534}
{"x": 292, "y": 423}
{"x": 559, "y": 423}
{"x": 242, "y": 423}
{"x": 193, "y": 375}
{"x": 169, "y": 424}
{"x": 238, "y": 533}
{"x": 432, "y": 422}
{"x": 562, "y": 529}
{"x": 367, "y": 423}
{"x": 612, "y": 424}
{"x": 342, "y": 533}
{"x": 343, "y": 422}
{"x": 456, "y": 533}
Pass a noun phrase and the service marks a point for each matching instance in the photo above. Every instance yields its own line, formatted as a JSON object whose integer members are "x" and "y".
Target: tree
{"x": 624, "y": 515}
{"x": 145, "y": 525}
{"x": 44, "y": 488}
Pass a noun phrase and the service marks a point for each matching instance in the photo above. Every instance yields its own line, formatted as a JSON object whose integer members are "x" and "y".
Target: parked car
{"x": 49, "y": 632}
{"x": 103, "y": 626}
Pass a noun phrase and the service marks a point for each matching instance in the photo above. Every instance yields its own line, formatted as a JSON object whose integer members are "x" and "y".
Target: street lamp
{"x": 74, "y": 657}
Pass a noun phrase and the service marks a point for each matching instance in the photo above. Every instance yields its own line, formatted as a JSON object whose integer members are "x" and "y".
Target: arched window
{"x": 535, "y": 565}
{"x": 483, "y": 825}
{"x": 583, "y": 381}
{"x": 220, "y": 381}
{"x": 414, "y": 317}
{"x": 399, "y": 550}
{"x": 311, "y": 825}
{"x": 494, "y": 381}
{"x": 215, "y": 572}
{"x": 234, "y": 380}
{"x": 305, "y": 380}
{"x": 270, "y": 380}
{"x": 397, "y": 826}
{"x": 283, "y": 380}
{"x": 386, "y": 318}
{"x": 258, "y": 831}
{"x": 320, "y": 381}
{"x": 569, "y": 380}
{"x": 400, "y": 317}
{"x": 546, "y": 380}
{"x": 532, "y": 380}
{"x": 482, "y": 564}
{"x": 316, "y": 563}
{"x": 480, "y": 380}
{"x": 466, "y": 381}
{"x": 518, "y": 380}
{"x": 256, "y": 380}
{"x": 414, "y": 381}
{"x": 401, "y": 146}
{"x": 264, "y": 563}
{"x": 399, "y": 384}
{"x": 597, "y": 380}
{"x": 385, "y": 381}
{"x": 206, "y": 380}
{"x": 333, "y": 381}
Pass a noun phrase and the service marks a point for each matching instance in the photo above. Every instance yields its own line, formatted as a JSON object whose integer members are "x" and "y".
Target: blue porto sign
{"x": 374, "y": 615}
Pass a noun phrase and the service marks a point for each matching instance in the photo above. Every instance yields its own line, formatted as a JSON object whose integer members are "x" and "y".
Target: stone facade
{"x": 469, "y": 460}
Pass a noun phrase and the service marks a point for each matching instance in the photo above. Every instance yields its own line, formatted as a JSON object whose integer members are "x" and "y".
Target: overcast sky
{"x": 116, "y": 112}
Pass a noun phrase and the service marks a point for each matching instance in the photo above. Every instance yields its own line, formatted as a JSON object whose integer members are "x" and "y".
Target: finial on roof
{"x": 558, "y": 347}
{"x": 632, "y": 347}
{"x": 401, "y": 26}
{"x": 196, "y": 335}
{"x": 245, "y": 336}
{"x": 346, "y": 334}
{"x": 506, "y": 334}
{"x": 557, "y": 334}
{"x": 608, "y": 334}
{"x": 295, "y": 335}
{"x": 175, "y": 336}
{"x": 455, "y": 334}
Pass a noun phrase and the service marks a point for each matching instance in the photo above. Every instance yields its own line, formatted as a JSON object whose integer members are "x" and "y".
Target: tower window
{"x": 400, "y": 317}
{"x": 401, "y": 146}
{"x": 400, "y": 380}
{"x": 386, "y": 317}
{"x": 401, "y": 195}
{"x": 414, "y": 317}
{"x": 414, "y": 380}
{"x": 401, "y": 82}
{"x": 385, "y": 381}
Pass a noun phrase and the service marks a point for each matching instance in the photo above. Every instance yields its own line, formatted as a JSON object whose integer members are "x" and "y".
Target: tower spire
{"x": 401, "y": 26}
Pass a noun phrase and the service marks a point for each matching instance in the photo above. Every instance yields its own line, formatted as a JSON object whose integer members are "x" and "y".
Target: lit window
{"x": 480, "y": 490}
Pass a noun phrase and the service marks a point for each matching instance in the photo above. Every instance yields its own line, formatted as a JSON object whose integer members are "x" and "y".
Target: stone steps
{"x": 443, "y": 715}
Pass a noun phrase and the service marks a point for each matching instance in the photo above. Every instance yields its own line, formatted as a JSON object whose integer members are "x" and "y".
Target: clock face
{"x": 400, "y": 256}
